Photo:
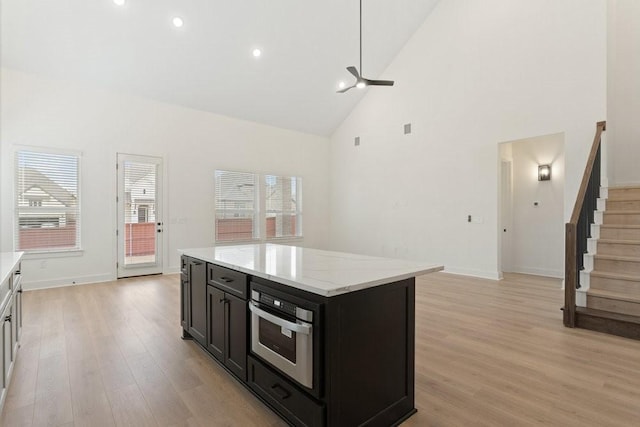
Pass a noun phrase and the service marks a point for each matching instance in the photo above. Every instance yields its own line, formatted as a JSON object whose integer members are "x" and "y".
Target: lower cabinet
{"x": 10, "y": 330}
{"x": 8, "y": 340}
{"x": 197, "y": 294}
{"x": 214, "y": 311}
{"x": 227, "y": 330}
{"x": 296, "y": 406}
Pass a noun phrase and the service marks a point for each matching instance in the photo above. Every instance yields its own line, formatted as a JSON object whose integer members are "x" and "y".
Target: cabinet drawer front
{"x": 293, "y": 404}
{"x": 228, "y": 280}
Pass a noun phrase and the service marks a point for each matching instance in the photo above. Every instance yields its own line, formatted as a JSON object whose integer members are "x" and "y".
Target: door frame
{"x": 142, "y": 269}
{"x": 506, "y": 216}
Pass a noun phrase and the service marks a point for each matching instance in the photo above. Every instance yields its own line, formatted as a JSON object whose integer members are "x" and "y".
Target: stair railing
{"x": 578, "y": 229}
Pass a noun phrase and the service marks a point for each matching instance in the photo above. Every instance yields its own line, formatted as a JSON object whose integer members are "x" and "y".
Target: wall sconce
{"x": 544, "y": 173}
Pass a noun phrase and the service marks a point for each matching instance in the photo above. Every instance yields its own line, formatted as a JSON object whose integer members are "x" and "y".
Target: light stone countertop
{"x": 8, "y": 262}
{"x": 325, "y": 273}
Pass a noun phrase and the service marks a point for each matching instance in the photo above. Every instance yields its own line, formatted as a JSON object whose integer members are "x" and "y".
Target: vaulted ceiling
{"x": 207, "y": 64}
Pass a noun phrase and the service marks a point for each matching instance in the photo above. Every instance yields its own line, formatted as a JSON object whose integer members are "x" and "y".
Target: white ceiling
{"x": 207, "y": 64}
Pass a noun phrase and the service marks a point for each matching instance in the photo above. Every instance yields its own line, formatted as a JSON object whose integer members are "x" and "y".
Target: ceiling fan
{"x": 362, "y": 82}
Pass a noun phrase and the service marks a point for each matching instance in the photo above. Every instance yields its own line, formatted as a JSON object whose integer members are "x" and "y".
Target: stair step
{"x": 617, "y": 264}
{"x": 608, "y": 322}
{"x": 615, "y": 282}
{"x": 621, "y": 217}
{"x": 623, "y": 205}
{"x": 613, "y": 302}
{"x": 619, "y": 247}
{"x": 625, "y": 232}
{"x": 624, "y": 193}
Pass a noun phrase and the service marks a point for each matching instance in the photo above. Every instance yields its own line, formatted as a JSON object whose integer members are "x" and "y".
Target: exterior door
{"x": 139, "y": 206}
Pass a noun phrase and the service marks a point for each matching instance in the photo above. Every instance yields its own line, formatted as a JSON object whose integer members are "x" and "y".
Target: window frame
{"x": 298, "y": 211}
{"x": 17, "y": 210}
{"x": 260, "y": 211}
{"x": 257, "y": 228}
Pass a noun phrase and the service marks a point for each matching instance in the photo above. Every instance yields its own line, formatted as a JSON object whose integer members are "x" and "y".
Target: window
{"x": 283, "y": 206}
{"x": 236, "y": 206}
{"x": 47, "y": 201}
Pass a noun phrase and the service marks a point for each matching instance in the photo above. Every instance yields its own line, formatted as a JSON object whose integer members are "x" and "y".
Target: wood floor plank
{"x": 487, "y": 354}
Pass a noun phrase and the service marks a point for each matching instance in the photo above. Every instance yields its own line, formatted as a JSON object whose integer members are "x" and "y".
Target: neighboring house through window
{"x": 47, "y": 201}
{"x": 283, "y": 206}
{"x": 236, "y": 206}
{"x": 245, "y": 213}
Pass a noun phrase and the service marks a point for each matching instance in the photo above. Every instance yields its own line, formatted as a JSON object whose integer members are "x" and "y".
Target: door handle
{"x": 7, "y": 318}
{"x": 295, "y": 327}
{"x": 280, "y": 391}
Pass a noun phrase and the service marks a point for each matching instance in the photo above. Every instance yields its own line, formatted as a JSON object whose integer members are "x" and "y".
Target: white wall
{"x": 538, "y": 230}
{"x": 475, "y": 74}
{"x": 623, "y": 58}
{"x": 41, "y": 112}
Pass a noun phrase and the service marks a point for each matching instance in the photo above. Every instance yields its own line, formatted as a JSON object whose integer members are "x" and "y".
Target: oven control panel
{"x": 278, "y": 304}
{"x": 282, "y": 306}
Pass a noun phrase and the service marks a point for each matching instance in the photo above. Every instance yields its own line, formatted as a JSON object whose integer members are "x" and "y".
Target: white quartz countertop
{"x": 325, "y": 273}
{"x": 8, "y": 261}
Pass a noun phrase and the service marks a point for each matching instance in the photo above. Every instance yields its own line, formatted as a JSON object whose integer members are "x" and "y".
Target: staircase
{"x": 613, "y": 295}
{"x": 614, "y": 282}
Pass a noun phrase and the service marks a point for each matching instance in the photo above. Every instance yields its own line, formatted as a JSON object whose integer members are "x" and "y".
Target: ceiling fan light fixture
{"x": 361, "y": 81}
{"x": 177, "y": 22}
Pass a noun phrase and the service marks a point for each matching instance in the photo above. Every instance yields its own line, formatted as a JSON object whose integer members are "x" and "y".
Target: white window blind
{"x": 236, "y": 206}
{"x": 283, "y": 206}
{"x": 47, "y": 201}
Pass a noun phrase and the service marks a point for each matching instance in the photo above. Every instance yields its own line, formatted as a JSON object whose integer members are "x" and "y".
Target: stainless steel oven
{"x": 282, "y": 334}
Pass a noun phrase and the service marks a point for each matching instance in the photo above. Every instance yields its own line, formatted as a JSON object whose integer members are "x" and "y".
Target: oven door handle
{"x": 295, "y": 327}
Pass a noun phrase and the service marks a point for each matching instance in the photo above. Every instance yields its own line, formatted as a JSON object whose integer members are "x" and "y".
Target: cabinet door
{"x": 184, "y": 302}
{"x": 236, "y": 339}
{"x": 19, "y": 313}
{"x": 7, "y": 347}
{"x": 198, "y": 299}
{"x": 215, "y": 322}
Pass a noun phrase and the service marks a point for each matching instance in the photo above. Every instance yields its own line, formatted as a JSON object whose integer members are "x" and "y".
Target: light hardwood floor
{"x": 487, "y": 353}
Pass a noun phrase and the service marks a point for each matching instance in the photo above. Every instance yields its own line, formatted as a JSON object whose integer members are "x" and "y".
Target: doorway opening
{"x": 531, "y": 207}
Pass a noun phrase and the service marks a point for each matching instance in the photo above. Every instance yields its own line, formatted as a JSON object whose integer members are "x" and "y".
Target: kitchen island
{"x": 324, "y": 338}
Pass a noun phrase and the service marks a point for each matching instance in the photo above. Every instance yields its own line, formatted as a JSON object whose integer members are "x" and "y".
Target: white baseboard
{"x": 556, "y": 274}
{"x": 492, "y": 275}
{"x": 78, "y": 281}
{"x": 66, "y": 281}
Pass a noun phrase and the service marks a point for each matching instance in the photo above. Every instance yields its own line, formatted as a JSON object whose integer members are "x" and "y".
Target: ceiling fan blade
{"x": 378, "y": 82}
{"x": 353, "y": 70}
{"x": 345, "y": 89}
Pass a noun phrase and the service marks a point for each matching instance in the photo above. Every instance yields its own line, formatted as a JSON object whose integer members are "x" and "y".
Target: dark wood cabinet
{"x": 197, "y": 296}
{"x": 297, "y": 407}
{"x": 215, "y": 322}
{"x": 227, "y": 330}
{"x": 236, "y": 336}
{"x": 363, "y": 351}
{"x": 184, "y": 303}
{"x": 214, "y": 311}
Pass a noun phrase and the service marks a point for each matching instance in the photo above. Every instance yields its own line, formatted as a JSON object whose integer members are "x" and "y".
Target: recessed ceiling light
{"x": 177, "y": 22}
{"x": 119, "y": 2}
{"x": 360, "y": 85}
{"x": 341, "y": 85}
{"x": 257, "y": 53}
